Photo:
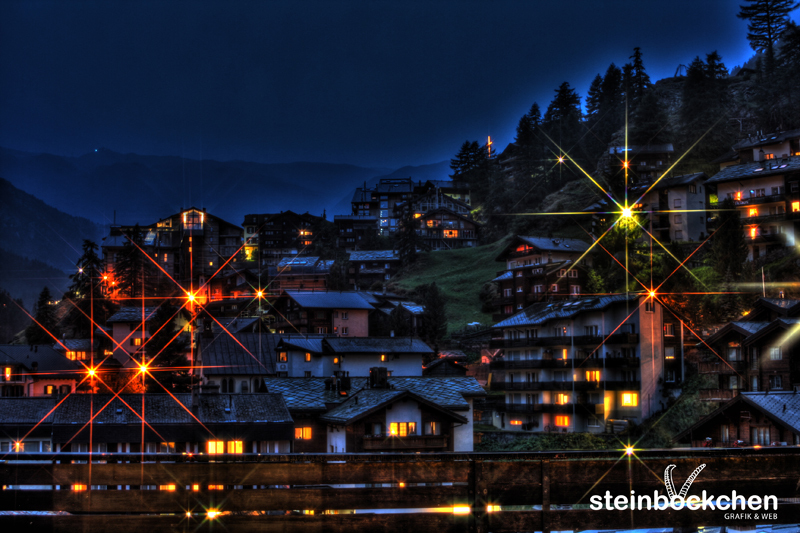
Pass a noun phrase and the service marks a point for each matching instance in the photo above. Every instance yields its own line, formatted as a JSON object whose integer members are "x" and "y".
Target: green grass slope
{"x": 460, "y": 274}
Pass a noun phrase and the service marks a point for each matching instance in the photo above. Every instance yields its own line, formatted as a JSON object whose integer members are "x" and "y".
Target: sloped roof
{"x": 545, "y": 244}
{"x": 745, "y": 328}
{"x": 309, "y": 394}
{"x": 505, "y": 275}
{"x": 770, "y": 138}
{"x": 786, "y": 306}
{"x": 785, "y": 406}
{"x": 370, "y": 400}
{"x": 373, "y": 345}
{"x": 781, "y": 323}
{"x": 756, "y": 169}
{"x": 449, "y": 392}
{"x": 374, "y": 255}
{"x": 26, "y": 410}
{"x": 239, "y": 353}
{"x": 301, "y": 342}
{"x": 540, "y": 313}
{"x": 133, "y": 314}
{"x": 450, "y": 212}
{"x": 47, "y": 359}
{"x": 237, "y": 324}
{"x": 330, "y": 300}
{"x": 75, "y": 345}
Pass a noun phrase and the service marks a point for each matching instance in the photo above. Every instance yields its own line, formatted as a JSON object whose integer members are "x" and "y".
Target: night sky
{"x": 370, "y": 83}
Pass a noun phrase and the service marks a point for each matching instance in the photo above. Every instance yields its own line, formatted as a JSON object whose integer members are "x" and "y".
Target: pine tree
{"x": 650, "y": 122}
{"x": 594, "y": 96}
{"x": 167, "y": 351}
{"x": 44, "y": 330}
{"x": 562, "y": 123}
{"x": 88, "y": 306}
{"x": 408, "y": 239}
{"x": 766, "y": 21}
{"x": 789, "y": 67}
{"x": 434, "y": 317}
{"x": 640, "y": 81}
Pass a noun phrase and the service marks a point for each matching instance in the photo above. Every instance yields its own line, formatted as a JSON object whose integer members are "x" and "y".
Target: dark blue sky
{"x": 365, "y": 82}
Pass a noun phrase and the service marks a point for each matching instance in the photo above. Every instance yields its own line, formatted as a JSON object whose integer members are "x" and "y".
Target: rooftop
{"x": 376, "y": 345}
{"x": 375, "y": 255}
{"x": 133, "y": 314}
{"x": 238, "y": 354}
{"x": 330, "y": 300}
{"x": 542, "y": 312}
{"x": 757, "y": 169}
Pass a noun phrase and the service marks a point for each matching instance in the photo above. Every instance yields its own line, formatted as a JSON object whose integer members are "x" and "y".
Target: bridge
{"x": 352, "y": 493}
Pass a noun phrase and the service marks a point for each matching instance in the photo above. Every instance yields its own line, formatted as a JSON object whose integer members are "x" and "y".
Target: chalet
{"x": 643, "y": 163}
{"x": 441, "y": 228}
{"x": 191, "y": 247}
{"x": 235, "y": 362}
{"x": 539, "y": 269}
{"x": 344, "y": 313}
{"x": 577, "y": 365}
{"x": 328, "y": 418}
{"x": 179, "y": 423}
{"x": 765, "y": 189}
{"x": 271, "y": 237}
{"x": 770, "y": 418}
{"x": 38, "y": 370}
{"x": 368, "y": 268}
{"x": 444, "y": 366}
{"x": 300, "y": 273}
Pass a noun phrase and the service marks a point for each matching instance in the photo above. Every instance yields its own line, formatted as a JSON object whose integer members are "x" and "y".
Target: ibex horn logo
{"x": 680, "y": 500}
{"x": 685, "y": 488}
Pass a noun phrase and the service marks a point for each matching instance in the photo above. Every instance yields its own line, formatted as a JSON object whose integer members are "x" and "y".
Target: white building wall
{"x": 337, "y": 442}
{"x": 404, "y": 411}
{"x": 400, "y": 365}
{"x": 463, "y": 434}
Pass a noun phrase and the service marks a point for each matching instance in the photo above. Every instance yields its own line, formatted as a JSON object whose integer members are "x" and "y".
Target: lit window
{"x": 562, "y": 421}
{"x": 170, "y": 487}
{"x": 302, "y": 433}
{"x": 562, "y": 398}
{"x": 592, "y": 375}
{"x": 516, "y": 422}
{"x": 630, "y": 399}
{"x": 136, "y": 341}
{"x": 78, "y": 487}
{"x": 402, "y": 429}
{"x": 393, "y": 429}
{"x": 216, "y": 487}
{"x": 308, "y": 357}
{"x": 737, "y": 195}
{"x": 753, "y": 232}
{"x": 753, "y": 212}
{"x": 71, "y": 356}
{"x": 235, "y": 446}
{"x": 775, "y": 353}
{"x": 383, "y": 358}
{"x": 554, "y": 288}
{"x": 335, "y": 360}
{"x": 281, "y": 357}
{"x": 669, "y": 330}
{"x": 669, "y": 352}
{"x": 8, "y": 373}
{"x": 216, "y": 446}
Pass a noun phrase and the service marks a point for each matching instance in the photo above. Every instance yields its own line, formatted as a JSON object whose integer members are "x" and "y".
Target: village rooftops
{"x": 239, "y": 354}
{"x": 312, "y": 344}
{"x": 330, "y": 300}
{"x": 40, "y": 359}
{"x": 133, "y": 314}
{"x": 669, "y": 182}
{"x": 374, "y": 255}
{"x": 542, "y": 312}
{"x": 770, "y": 167}
{"x": 367, "y": 401}
{"x": 745, "y": 328}
{"x": 544, "y": 244}
{"x": 27, "y": 411}
{"x": 764, "y": 140}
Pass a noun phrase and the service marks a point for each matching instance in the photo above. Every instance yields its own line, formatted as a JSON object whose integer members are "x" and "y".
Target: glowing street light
{"x": 629, "y": 450}
{"x": 212, "y": 514}
{"x": 652, "y": 294}
{"x": 561, "y": 159}
{"x": 626, "y": 212}
{"x": 92, "y": 372}
{"x": 190, "y": 296}
{"x": 260, "y": 294}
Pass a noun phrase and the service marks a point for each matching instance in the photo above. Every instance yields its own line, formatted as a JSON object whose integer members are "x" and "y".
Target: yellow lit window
{"x": 562, "y": 398}
{"x": 592, "y": 375}
{"x": 8, "y": 373}
{"x": 795, "y": 207}
{"x": 137, "y": 341}
{"x": 281, "y": 357}
{"x": 516, "y": 422}
{"x": 216, "y": 446}
{"x": 393, "y": 429}
{"x": 19, "y": 447}
{"x": 564, "y": 353}
{"x": 302, "y": 433}
{"x": 753, "y": 232}
{"x": 235, "y": 446}
{"x": 196, "y": 487}
{"x": 335, "y": 360}
{"x": 170, "y": 487}
{"x": 753, "y": 212}
{"x": 562, "y": 421}
{"x": 383, "y": 358}
{"x": 308, "y": 357}
{"x": 71, "y": 356}
{"x": 216, "y": 487}
{"x": 78, "y": 486}
{"x": 737, "y": 195}
{"x": 630, "y": 399}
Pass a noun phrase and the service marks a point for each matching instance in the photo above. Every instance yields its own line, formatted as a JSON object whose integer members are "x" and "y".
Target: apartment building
{"x": 272, "y": 237}
{"x": 579, "y": 365}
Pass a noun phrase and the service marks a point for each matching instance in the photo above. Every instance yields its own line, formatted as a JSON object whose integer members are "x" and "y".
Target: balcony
{"x": 764, "y": 238}
{"x": 763, "y": 218}
{"x": 532, "y": 363}
{"x": 503, "y": 300}
{"x": 411, "y": 442}
{"x": 721, "y": 367}
{"x": 566, "y": 408}
{"x": 755, "y": 200}
{"x": 578, "y": 340}
{"x": 578, "y": 386}
{"x": 718, "y": 395}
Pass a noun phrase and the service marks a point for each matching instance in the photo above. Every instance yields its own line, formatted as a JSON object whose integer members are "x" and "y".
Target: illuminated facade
{"x": 35, "y": 371}
{"x": 191, "y": 247}
{"x": 579, "y": 365}
{"x": 765, "y": 188}
{"x": 273, "y": 237}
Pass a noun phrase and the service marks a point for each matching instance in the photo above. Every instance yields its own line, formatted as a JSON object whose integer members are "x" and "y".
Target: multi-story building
{"x": 644, "y": 163}
{"x": 130, "y": 331}
{"x": 300, "y": 273}
{"x": 354, "y": 230}
{"x": 191, "y": 247}
{"x": 344, "y": 313}
{"x": 37, "y": 370}
{"x": 272, "y": 237}
{"x": 538, "y": 269}
{"x": 676, "y": 207}
{"x": 315, "y": 356}
{"x": 367, "y": 268}
{"x": 444, "y": 229}
{"x": 757, "y": 353}
{"x": 765, "y": 188}
{"x": 578, "y": 365}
